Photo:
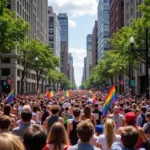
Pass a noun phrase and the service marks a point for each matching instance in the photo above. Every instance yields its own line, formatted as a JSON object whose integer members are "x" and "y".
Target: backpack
{"x": 143, "y": 120}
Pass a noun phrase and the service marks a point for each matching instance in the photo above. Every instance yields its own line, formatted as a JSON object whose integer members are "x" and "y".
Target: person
{"x": 57, "y": 138}
{"x": 5, "y": 123}
{"x": 85, "y": 131}
{"x": 66, "y": 104}
{"x": 10, "y": 142}
{"x": 146, "y": 128}
{"x": 53, "y": 118}
{"x": 37, "y": 115}
{"x": 87, "y": 114}
{"x": 105, "y": 141}
{"x": 141, "y": 118}
{"x": 34, "y": 138}
{"x": 99, "y": 130}
{"x": 98, "y": 114}
{"x": 117, "y": 117}
{"x": 45, "y": 114}
{"x": 129, "y": 138}
{"x": 72, "y": 126}
{"x": 130, "y": 120}
{"x": 26, "y": 116}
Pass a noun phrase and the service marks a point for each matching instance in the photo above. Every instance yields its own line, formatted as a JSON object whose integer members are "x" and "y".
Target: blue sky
{"x": 82, "y": 15}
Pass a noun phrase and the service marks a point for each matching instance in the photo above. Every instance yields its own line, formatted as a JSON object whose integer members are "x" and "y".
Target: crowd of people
{"x": 76, "y": 123}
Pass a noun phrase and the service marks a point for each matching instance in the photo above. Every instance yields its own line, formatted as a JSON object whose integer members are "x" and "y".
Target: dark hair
{"x": 96, "y": 105}
{"x": 55, "y": 109}
{"x": 85, "y": 130}
{"x": 129, "y": 136}
{"x": 76, "y": 112}
{"x": 67, "y": 108}
{"x": 143, "y": 109}
{"x": 35, "y": 138}
{"x": 5, "y": 122}
{"x": 7, "y": 110}
{"x": 26, "y": 115}
{"x": 148, "y": 114}
{"x": 35, "y": 108}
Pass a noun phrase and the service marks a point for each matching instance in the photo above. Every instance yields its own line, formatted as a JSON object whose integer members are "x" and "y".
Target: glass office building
{"x": 103, "y": 27}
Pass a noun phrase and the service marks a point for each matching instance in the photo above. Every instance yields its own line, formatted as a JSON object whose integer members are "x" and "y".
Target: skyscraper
{"x": 89, "y": 55}
{"x": 63, "y": 21}
{"x": 116, "y": 16}
{"x": 54, "y": 32}
{"x": 95, "y": 45}
{"x": 84, "y": 71}
{"x": 103, "y": 27}
{"x": 34, "y": 12}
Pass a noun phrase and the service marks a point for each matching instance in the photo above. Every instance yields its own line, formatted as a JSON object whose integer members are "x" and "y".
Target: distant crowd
{"x": 76, "y": 123}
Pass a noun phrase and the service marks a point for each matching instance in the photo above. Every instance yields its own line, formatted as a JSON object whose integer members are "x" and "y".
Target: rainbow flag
{"x": 90, "y": 92}
{"x": 94, "y": 98}
{"x": 10, "y": 97}
{"x": 38, "y": 92}
{"x": 111, "y": 98}
{"x": 68, "y": 94}
{"x": 46, "y": 93}
{"x": 50, "y": 94}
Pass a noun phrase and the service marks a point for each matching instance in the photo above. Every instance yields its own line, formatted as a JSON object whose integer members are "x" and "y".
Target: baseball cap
{"x": 99, "y": 129}
{"x": 130, "y": 118}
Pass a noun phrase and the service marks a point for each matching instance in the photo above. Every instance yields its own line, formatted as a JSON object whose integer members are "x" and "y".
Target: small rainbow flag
{"x": 10, "y": 97}
{"x": 46, "y": 93}
{"x": 90, "y": 92}
{"x": 68, "y": 94}
{"x": 50, "y": 94}
{"x": 111, "y": 98}
{"x": 38, "y": 92}
{"x": 94, "y": 98}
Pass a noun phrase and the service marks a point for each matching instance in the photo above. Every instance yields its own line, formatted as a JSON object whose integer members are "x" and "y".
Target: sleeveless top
{"x": 139, "y": 142}
{"x": 51, "y": 121}
{"x": 73, "y": 133}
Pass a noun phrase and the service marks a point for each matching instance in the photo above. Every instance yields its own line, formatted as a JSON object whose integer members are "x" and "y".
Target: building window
{"x": 17, "y": 7}
{"x": 5, "y": 72}
{"x": 5, "y": 60}
{"x": 51, "y": 45}
{"x": 49, "y": 12}
{"x": 51, "y": 25}
{"x": 18, "y": 73}
{"x": 51, "y": 32}
{"x": 51, "y": 38}
{"x": 51, "y": 19}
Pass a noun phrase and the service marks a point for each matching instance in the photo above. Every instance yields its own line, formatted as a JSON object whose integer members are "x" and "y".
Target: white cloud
{"x": 78, "y": 63}
{"x": 72, "y": 24}
{"x": 74, "y": 8}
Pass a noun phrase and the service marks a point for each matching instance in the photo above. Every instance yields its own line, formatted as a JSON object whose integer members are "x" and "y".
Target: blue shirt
{"x": 139, "y": 120}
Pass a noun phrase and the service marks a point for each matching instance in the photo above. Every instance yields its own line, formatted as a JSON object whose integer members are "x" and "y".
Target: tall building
{"x": 116, "y": 16}
{"x": 84, "y": 71}
{"x": 95, "y": 45}
{"x": 130, "y": 10}
{"x": 34, "y": 12}
{"x": 63, "y": 21}
{"x": 54, "y": 32}
{"x": 71, "y": 69}
{"x": 89, "y": 55}
{"x": 103, "y": 27}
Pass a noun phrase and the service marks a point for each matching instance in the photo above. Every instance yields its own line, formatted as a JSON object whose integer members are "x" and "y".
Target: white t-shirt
{"x": 102, "y": 141}
{"x": 66, "y": 105}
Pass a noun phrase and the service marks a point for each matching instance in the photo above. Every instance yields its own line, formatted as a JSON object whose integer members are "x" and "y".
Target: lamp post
{"x": 147, "y": 58}
{"x": 36, "y": 59}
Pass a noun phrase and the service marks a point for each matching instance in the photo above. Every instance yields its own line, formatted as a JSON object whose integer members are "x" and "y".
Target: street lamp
{"x": 36, "y": 59}
{"x": 146, "y": 50}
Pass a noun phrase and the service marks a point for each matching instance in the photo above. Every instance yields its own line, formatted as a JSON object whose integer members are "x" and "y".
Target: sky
{"x": 82, "y": 15}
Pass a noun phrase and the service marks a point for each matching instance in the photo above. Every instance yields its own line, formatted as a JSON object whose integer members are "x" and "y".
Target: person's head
{"x": 137, "y": 112}
{"x": 57, "y": 135}
{"x": 99, "y": 129}
{"x": 7, "y": 109}
{"x": 10, "y": 142}
{"x": 26, "y": 113}
{"x": 129, "y": 136}
{"x": 87, "y": 111}
{"x": 130, "y": 118}
{"x": 66, "y": 108}
{"x": 148, "y": 116}
{"x": 109, "y": 127}
{"x": 143, "y": 109}
{"x": 55, "y": 109}
{"x": 35, "y": 138}
{"x": 85, "y": 130}
{"x": 35, "y": 109}
{"x": 5, "y": 122}
{"x": 76, "y": 112}
{"x": 96, "y": 106}
{"x": 116, "y": 110}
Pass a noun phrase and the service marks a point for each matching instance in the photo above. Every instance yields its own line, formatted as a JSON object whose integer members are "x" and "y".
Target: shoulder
{"x": 117, "y": 146}
{"x": 101, "y": 138}
{"x": 75, "y": 147}
{"x": 96, "y": 148}
{"x": 16, "y": 129}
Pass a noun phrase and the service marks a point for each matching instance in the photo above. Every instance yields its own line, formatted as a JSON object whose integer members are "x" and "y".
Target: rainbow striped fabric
{"x": 50, "y": 94}
{"x": 111, "y": 98}
{"x": 10, "y": 97}
{"x": 68, "y": 94}
{"x": 90, "y": 92}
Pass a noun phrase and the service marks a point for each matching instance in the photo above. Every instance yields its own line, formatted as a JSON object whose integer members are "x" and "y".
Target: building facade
{"x": 54, "y": 32}
{"x": 95, "y": 45}
{"x": 84, "y": 78}
{"x": 63, "y": 21}
{"x": 34, "y": 12}
{"x": 116, "y": 16}
{"x": 89, "y": 54}
{"x": 103, "y": 27}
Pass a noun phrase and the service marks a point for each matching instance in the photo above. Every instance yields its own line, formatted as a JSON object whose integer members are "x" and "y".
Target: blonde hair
{"x": 58, "y": 136}
{"x": 109, "y": 126}
{"x": 10, "y": 142}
